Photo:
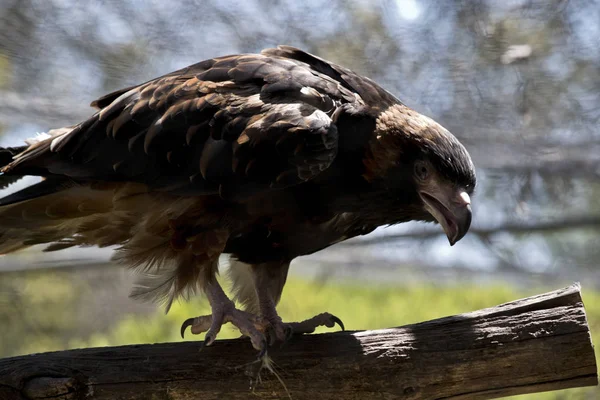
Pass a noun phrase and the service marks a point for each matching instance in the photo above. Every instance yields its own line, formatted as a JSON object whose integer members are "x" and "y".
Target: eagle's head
{"x": 424, "y": 168}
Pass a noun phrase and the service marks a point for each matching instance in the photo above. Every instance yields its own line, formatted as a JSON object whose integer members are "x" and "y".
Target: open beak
{"x": 452, "y": 211}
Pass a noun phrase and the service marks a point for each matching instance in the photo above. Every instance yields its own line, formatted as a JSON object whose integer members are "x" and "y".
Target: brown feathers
{"x": 124, "y": 215}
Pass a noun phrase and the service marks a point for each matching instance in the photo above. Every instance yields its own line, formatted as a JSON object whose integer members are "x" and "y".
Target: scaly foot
{"x": 309, "y": 325}
{"x": 224, "y": 311}
{"x": 248, "y": 324}
{"x": 275, "y": 329}
{"x": 260, "y": 330}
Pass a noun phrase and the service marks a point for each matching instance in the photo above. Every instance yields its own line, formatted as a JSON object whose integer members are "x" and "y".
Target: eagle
{"x": 262, "y": 157}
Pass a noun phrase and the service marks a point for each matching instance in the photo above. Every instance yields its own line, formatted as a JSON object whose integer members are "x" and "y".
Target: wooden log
{"x": 531, "y": 345}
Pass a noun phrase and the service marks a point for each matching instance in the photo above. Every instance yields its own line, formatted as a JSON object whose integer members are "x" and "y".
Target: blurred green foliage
{"x": 34, "y": 312}
{"x": 45, "y": 302}
{"x": 359, "y": 306}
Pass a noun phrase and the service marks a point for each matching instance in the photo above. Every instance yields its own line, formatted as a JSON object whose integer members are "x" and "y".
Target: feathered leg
{"x": 259, "y": 288}
{"x": 268, "y": 280}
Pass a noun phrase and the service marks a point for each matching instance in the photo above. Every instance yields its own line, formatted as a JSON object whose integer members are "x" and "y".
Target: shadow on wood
{"x": 535, "y": 344}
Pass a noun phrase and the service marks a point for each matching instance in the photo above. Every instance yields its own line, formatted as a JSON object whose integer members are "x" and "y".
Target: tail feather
{"x": 7, "y": 154}
{"x": 6, "y": 157}
{"x": 47, "y": 186}
{"x": 14, "y": 165}
{"x": 52, "y": 218}
{"x": 10, "y": 175}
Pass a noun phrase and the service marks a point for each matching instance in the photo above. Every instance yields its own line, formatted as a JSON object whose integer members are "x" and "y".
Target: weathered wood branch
{"x": 536, "y": 344}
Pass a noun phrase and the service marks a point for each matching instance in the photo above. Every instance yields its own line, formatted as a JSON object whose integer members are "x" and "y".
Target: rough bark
{"x": 531, "y": 345}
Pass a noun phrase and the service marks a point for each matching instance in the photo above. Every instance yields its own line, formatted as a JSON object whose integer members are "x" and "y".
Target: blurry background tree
{"x": 517, "y": 81}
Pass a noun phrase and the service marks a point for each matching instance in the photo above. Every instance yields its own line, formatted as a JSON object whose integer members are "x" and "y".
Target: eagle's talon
{"x": 188, "y": 322}
{"x": 224, "y": 311}
{"x": 338, "y": 321}
{"x": 208, "y": 340}
{"x": 309, "y": 325}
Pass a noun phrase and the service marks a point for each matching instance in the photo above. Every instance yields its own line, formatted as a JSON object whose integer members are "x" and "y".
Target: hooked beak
{"x": 452, "y": 210}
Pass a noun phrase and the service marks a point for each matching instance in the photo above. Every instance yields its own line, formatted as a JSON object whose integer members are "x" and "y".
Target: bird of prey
{"x": 265, "y": 157}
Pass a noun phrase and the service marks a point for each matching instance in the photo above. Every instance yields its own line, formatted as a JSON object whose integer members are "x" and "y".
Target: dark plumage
{"x": 263, "y": 156}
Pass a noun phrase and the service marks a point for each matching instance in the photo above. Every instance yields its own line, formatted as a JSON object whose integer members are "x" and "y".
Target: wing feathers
{"x": 257, "y": 121}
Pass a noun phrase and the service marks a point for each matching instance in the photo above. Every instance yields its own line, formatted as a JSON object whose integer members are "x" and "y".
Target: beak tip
{"x": 454, "y": 216}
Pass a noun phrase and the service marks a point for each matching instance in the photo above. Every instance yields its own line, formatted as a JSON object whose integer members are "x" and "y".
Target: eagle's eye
{"x": 421, "y": 170}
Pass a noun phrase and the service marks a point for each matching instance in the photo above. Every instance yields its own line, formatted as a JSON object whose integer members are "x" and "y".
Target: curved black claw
{"x": 338, "y": 321}
{"x": 208, "y": 340}
{"x": 186, "y": 323}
